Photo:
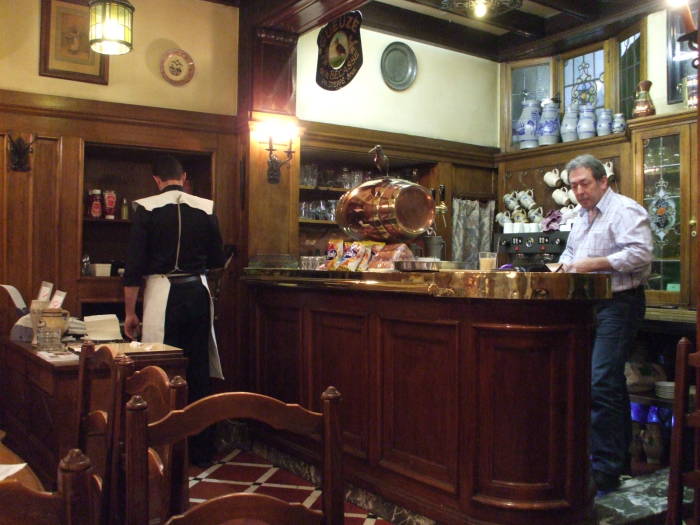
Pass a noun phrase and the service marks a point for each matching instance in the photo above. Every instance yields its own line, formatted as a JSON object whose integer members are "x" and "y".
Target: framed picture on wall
{"x": 679, "y": 59}
{"x": 65, "y": 49}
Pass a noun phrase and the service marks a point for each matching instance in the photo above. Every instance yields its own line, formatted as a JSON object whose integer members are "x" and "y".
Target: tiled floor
{"x": 242, "y": 471}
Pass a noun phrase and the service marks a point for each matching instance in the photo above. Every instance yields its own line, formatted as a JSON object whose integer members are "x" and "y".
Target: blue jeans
{"x": 617, "y": 323}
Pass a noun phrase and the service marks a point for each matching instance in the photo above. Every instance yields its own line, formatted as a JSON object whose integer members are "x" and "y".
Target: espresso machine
{"x": 530, "y": 252}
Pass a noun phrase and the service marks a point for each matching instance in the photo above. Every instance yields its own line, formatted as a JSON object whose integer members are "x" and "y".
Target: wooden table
{"x": 26, "y": 475}
{"x": 39, "y": 397}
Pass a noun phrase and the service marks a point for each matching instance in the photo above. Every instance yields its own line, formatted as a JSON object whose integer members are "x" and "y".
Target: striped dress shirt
{"x": 620, "y": 232}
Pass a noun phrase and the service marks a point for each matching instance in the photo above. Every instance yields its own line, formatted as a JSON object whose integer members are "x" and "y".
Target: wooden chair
{"x": 97, "y": 380}
{"x": 243, "y": 506}
{"x": 686, "y": 424}
{"x": 105, "y": 383}
{"x": 178, "y": 424}
{"x": 72, "y": 504}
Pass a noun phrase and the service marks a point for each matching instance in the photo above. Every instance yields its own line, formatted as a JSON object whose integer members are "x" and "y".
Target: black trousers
{"x": 187, "y": 326}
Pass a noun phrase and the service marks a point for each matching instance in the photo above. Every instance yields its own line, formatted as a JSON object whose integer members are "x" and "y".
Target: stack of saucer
{"x": 664, "y": 389}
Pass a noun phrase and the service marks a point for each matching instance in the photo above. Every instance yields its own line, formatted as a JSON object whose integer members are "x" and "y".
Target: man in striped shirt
{"x": 610, "y": 234}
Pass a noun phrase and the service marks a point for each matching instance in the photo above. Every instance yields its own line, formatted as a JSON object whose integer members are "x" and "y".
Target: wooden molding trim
{"x": 663, "y": 120}
{"x": 95, "y": 110}
{"x": 410, "y": 146}
{"x": 563, "y": 147}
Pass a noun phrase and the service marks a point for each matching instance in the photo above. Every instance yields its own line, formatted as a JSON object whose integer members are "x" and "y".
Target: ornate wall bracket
{"x": 19, "y": 153}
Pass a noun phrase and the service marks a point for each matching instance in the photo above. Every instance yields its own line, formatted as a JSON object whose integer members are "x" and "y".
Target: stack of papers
{"x": 102, "y": 327}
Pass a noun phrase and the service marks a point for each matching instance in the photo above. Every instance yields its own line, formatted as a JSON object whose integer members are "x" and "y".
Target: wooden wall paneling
{"x": 272, "y": 208}
{"x": 278, "y": 339}
{"x": 274, "y": 71}
{"x": 8, "y": 316}
{"x": 504, "y": 353}
{"x": 419, "y": 436}
{"x": 339, "y": 353}
{"x": 71, "y": 225}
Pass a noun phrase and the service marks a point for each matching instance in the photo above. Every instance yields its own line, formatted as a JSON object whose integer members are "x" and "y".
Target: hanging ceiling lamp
{"x": 481, "y": 8}
{"x": 111, "y": 26}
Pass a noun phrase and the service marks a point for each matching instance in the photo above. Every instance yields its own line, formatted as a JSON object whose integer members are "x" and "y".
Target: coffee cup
{"x": 564, "y": 176}
{"x": 572, "y": 197}
{"x": 609, "y": 170}
{"x": 526, "y": 200}
{"x": 552, "y": 178}
{"x": 503, "y": 217}
{"x": 561, "y": 196}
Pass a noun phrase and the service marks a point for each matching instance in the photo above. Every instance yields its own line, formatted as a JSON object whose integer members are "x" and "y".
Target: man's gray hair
{"x": 590, "y": 162}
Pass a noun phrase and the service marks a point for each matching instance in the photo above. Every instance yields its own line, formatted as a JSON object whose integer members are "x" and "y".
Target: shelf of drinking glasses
{"x": 327, "y": 189}
{"x": 316, "y": 221}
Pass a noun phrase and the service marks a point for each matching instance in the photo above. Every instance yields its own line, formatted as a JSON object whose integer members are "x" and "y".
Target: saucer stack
{"x": 664, "y": 389}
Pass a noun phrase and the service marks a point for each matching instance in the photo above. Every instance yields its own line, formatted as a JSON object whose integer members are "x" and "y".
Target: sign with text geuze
{"x": 339, "y": 52}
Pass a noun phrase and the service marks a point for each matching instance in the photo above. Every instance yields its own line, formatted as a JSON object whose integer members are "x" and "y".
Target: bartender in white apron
{"x": 174, "y": 239}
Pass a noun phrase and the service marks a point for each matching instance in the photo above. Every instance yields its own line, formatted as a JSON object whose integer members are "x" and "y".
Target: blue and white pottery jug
{"x": 527, "y": 124}
{"x": 548, "y": 125}
{"x": 568, "y": 124}
{"x": 604, "y": 125}
{"x": 586, "y": 125}
{"x": 618, "y": 124}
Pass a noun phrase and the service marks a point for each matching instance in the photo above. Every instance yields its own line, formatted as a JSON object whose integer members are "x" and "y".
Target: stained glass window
{"x": 630, "y": 63}
{"x": 584, "y": 79}
{"x": 531, "y": 82}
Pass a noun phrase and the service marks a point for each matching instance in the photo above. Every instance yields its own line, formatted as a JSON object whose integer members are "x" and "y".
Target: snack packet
{"x": 352, "y": 257}
{"x": 334, "y": 252}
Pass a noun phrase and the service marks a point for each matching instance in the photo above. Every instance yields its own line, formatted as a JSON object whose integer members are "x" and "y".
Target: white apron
{"x": 155, "y": 302}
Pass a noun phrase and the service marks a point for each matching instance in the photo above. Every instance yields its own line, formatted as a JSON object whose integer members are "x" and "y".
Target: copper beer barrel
{"x": 390, "y": 210}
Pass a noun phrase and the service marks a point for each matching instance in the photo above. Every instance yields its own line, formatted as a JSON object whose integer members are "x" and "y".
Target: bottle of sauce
{"x": 125, "y": 209}
{"x": 110, "y": 204}
{"x": 95, "y": 204}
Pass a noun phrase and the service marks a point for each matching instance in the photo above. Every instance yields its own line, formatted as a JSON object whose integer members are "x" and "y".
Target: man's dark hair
{"x": 167, "y": 167}
{"x": 590, "y": 162}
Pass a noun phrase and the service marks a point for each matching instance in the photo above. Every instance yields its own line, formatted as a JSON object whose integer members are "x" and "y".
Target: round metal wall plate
{"x": 399, "y": 66}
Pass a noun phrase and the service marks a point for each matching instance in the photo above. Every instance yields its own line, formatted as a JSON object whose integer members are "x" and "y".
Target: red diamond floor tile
{"x": 246, "y": 472}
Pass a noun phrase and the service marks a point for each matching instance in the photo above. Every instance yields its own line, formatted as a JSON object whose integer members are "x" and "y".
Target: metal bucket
{"x": 390, "y": 210}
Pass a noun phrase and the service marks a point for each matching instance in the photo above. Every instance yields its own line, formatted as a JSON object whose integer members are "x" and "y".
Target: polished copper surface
{"x": 390, "y": 210}
{"x": 472, "y": 284}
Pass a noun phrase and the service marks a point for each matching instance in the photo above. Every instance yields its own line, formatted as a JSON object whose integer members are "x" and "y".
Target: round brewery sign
{"x": 339, "y": 52}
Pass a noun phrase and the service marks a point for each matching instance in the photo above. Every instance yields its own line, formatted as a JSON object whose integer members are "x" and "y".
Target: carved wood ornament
{"x": 19, "y": 153}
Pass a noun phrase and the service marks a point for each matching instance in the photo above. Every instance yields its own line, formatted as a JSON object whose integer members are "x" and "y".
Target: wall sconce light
{"x": 274, "y": 164}
{"x": 111, "y": 26}
{"x": 275, "y": 131}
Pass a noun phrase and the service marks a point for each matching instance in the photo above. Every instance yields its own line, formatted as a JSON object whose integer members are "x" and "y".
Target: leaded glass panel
{"x": 533, "y": 81}
{"x": 662, "y": 199}
{"x": 584, "y": 79}
{"x": 630, "y": 61}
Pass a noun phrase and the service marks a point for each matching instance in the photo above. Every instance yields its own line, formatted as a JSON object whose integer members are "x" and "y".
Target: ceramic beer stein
{"x": 552, "y": 178}
{"x": 503, "y": 217}
{"x": 561, "y": 196}
{"x": 535, "y": 214}
{"x": 511, "y": 200}
{"x": 519, "y": 215}
{"x": 526, "y": 200}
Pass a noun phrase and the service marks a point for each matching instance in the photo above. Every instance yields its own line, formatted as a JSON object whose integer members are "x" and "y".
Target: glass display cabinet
{"x": 664, "y": 160}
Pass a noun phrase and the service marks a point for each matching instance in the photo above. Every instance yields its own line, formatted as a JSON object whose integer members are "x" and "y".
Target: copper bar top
{"x": 472, "y": 284}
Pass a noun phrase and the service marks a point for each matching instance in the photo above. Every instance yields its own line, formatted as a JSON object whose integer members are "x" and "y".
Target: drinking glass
{"x": 487, "y": 261}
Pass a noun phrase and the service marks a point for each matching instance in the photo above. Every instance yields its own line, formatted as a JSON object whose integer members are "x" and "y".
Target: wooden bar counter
{"x": 465, "y": 393}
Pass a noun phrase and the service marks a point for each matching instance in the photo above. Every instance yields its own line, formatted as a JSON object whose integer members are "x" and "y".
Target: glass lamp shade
{"x": 111, "y": 26}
